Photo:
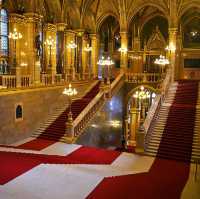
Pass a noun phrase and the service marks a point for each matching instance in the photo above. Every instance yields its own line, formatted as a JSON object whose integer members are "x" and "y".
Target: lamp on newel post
{"x": 123, "y": 51}
{"x": 88, "y": 49}
{"x": 109, "y": 62}
{"x": 72, "y": 46}
{"x": 101, "y": 63}
{"x": 50, "y": 42}
{"x": 70, "y": 92}
{"x": 15, "y": 36}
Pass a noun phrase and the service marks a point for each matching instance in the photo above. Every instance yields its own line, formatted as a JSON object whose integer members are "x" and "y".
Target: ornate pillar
{"x": 69, "y": 57}
{"x": 61, "y": 47}
{"x": 32, "y": 46}
{"x": 173, "y": 47}
{"x": 124, "y": 54}
{"x": 16, "y": 22}
{"x": 85, "y": 57}
{"x": 134, "y": 124}
{"x": 94, "y": 54}
{"x": 50, "y": 50}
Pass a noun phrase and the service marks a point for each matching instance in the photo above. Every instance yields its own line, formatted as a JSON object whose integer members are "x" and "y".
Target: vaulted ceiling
{"x": 90, "y": 13}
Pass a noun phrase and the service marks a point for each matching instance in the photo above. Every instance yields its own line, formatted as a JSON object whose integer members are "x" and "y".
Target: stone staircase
{"x": 175, "y": 131}
{"x": 62, "y": 107}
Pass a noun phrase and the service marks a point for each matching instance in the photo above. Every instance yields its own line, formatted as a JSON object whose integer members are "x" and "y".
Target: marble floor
{"x": 106, "y": 129}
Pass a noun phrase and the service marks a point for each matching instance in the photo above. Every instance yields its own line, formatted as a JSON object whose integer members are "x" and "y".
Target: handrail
{"x": 158, "y": 102}
{"x": 87, "y": 108}
{"x": 87, "y": 114}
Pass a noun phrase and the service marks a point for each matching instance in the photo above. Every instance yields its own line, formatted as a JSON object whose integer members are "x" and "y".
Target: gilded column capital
{"x": 94, "y": 36}
{"x": 32, "y": 17}
{"x": 70, "y": 32}
{"x": 173, "y": 30}
{"x": 50, "y": 27}
{"x": 16, "y": 18}
{"x": 80, "y": 32}
{"x": 61, "y": 26}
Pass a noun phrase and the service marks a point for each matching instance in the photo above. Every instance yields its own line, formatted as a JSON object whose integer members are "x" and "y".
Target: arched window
{"x": 4, "y": 32}
{"x": 19, "y": 114}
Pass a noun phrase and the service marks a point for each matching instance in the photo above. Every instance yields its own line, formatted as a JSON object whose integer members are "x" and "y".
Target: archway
{"x": 190, "y": 28}
{"x": 147, "y": 38}
{"x": 109, "y": 40}
{"x": 140, "y": 98}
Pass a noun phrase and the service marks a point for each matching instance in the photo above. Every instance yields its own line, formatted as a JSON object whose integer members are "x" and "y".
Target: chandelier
{"x": 15, "y": 35}
{"x": 162, "y": 61}
{"x": 72, "y": 45}
{"x": 70, "y": 91}
{"x": 105, "y": 62}
{"x": 142, "y": 94}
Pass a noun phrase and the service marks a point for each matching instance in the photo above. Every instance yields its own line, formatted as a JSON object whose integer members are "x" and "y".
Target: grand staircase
{"x": 175, "y": 130}
{"x": 54, "y": 129}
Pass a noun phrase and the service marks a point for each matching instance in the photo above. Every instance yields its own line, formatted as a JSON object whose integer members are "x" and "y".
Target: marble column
{"x": 69, "y": 57}
{"x": 94, "y": 54}
{"x": 85, "y": 54}
{"x": 50, "y": 52}
{"x": 17, "y": 22}
{"x": 173, "y": 46}
{"x": 134, "y": 124}
{"x": 124, "y": 55}
{"x": 32, "y": 36}
{"x": 61, "y": 47}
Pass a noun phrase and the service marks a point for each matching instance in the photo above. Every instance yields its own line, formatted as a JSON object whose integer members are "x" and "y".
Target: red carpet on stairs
{"x": 57, "y": 129}
{"x": 167, "y": 176}
{"x": 177, "y": 138}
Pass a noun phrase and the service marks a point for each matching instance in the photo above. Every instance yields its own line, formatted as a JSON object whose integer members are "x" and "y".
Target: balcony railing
{"x": 143, "y": 77}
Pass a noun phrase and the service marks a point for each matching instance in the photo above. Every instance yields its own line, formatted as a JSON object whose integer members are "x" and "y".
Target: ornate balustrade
{"x": 143, "y": 77}
{"x": 154, "y": 110}
{"x": 46, "y": 79}
{"x": 8, "y": 81}
{"x": 82, "y": 120}
{"x": 74, "y": 129}
{"x": 26, "y": 81}
{"x": 58, "y": 79}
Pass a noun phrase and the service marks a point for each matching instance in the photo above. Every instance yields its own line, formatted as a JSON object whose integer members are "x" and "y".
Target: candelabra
{"x": 105, "y": 62}
{"x": 15, "y": 36}
{"x": 162, "y": 61}
{"x": 50, "y": 42}
{"x": 70, "y": 92}
{"x": 123, "y": 50}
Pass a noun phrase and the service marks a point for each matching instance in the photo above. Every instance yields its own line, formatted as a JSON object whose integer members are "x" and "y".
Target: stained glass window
{"x": 4, "y": 32}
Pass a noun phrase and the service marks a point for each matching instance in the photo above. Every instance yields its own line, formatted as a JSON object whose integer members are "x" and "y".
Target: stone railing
{"x": 82, "y": 120}
{"x": 155, "y": 108}
{"x": 46, "y": 79}
{"x": 74, "y": 129}
{"x": 58, "y": 79}
{"x": 26, "y": 81}
{"x": 116, "y": 84}
{"x": 8, "y": 81}
{"x": 143, "y": 77}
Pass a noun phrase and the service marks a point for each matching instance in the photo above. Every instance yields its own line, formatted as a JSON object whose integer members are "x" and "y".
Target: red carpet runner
{"x": 166, "y": 178}
{"x": 15, "y": 164}
{"x": 177, "y": 138}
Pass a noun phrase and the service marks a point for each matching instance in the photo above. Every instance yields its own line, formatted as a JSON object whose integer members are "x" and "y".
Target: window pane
{"x": 4, "y": 32}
